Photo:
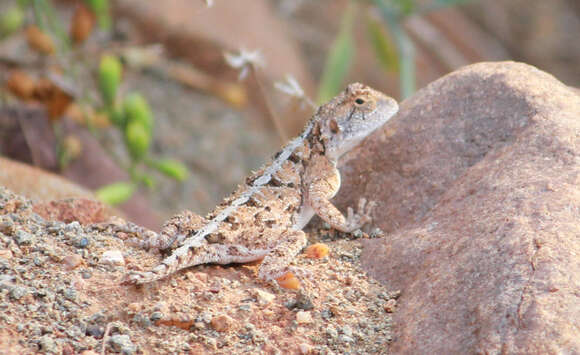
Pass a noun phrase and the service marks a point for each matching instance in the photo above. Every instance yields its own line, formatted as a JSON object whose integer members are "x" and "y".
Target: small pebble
{"x": 17, "y": 293}
{"x": 134, "y": 307}
{"x": 70, "y": 294}
{"x": 23, "y": 238}
{"x": 82, "y": 242}
{"x": 221, "y": 323}
{"x": 71, "y": 262}
{"x": 305, "y": 348}
{"x": 303, "y": 317}
{"x": 7, "y": 227}
{"x": 345, "y": 339}
{"x": 331, "y": 332}
{"x": 346, "y": 330}
{"x": 113, "y": 257}
{"x": 264, "y": 297}
{"x": 122, "y": 343}
{"x": 47, "y": 344}
{"x": 155, "y": 316}
{"x": 245, "y": 307}
{"x": 390, "y": 305}
{"x": 95, "y": 331}
{"x": 73, "y": 226}
{"x": 5, "y": 254}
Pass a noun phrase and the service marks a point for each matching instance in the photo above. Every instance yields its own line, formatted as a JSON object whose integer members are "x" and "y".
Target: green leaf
{"x": 110, "y": 71}
{"x": 338, "y": 60}
{"x": 137, "y": 110}
{"x": 384, "y": 48}
{"x": 115, "y": 193}
{"x": 172, "y": 168}
{"x": 138, "y": 139}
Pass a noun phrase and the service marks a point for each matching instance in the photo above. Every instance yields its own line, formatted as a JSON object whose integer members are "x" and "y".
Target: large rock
{"x": 479, "y": 183}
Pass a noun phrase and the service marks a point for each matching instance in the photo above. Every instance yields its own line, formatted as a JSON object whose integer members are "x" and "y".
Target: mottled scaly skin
{"x": 264, "y": 217}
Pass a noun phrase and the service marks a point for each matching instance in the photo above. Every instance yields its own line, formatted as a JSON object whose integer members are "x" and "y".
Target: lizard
{"x": 264, "y": 217}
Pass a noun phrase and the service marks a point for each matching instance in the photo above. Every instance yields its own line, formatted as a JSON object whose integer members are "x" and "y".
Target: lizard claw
{"x": 362, "y": 216}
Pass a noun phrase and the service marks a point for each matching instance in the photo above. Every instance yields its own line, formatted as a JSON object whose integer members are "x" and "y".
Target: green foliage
{"x": 117, "y": 115}
{"x": 338, "y": 60}
{"x": 130, "y": 115}
{"x": 137, "y": 138}
{"x": 101, "y": 9}
{"x": 110, "y": 71}
{"x": 116, "y": 193}
{"x": 171, "y": 168}
{"x": 137, "y": 110}
{"x": 11, "y": 21}
{"x": 392, "y": 45}
{"x": 384, "y": 48}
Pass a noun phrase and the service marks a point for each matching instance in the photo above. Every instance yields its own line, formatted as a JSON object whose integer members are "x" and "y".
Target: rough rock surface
{"x": 479, "y": 181}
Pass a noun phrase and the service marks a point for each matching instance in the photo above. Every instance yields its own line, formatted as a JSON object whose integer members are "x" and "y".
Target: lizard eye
{"x": 359, "y": 101}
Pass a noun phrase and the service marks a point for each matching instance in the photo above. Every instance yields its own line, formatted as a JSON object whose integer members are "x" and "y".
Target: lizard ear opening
{"x": 333, "y": 125}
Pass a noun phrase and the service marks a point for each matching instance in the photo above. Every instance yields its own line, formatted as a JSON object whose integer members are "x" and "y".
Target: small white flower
{"x": 292, "y": 88}
{"x": 244, "y": 60}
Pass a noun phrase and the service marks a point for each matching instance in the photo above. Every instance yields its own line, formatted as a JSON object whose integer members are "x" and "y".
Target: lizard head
{"x": 351, "y": 116}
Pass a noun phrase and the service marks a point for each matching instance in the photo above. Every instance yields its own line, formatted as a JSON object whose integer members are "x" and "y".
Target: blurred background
{"x": 160, "y": 106}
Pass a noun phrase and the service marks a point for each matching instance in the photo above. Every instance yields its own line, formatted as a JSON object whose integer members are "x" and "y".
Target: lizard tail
{"x": 176, "y": 261}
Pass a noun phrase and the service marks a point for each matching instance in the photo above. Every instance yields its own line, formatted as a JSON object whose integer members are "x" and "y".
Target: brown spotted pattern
{"x": 263, "y": 218}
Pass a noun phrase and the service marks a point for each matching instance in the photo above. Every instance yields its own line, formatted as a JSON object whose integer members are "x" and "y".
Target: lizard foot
{"x": 362, "y": 216}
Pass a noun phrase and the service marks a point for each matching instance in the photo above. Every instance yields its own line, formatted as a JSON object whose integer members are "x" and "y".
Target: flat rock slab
{"x": 479, "y": 182}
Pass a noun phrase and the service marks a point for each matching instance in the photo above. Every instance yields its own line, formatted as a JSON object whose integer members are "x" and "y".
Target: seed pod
{"x": 137, "y": 110}
{"x": 110, "y": 71}
{"x": 172, "y": 168}
{"x": 115, "y": 193}
{"x": 137, "y": 138}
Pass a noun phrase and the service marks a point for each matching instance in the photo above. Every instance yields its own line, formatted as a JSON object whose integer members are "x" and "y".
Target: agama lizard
{"x": 264, "y": 217}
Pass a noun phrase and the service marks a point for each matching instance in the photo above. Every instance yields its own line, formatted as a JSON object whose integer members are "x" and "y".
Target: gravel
{"x": 59, "y": 293}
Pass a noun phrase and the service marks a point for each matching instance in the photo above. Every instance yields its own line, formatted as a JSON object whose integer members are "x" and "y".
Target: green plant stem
{"x": 404, "y": 46}
{"x": 406, "y": 50}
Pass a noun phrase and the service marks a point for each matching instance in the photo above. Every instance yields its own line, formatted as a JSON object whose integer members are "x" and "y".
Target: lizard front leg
{"x": 321, "y": 190}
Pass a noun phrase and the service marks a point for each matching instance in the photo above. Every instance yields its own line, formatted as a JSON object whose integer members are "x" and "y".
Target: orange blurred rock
{"x": 21, "y": 84}
{"x": 288, "y": 281}
{"x": 82, "y": 24}
{"x": 317, "y": 251}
